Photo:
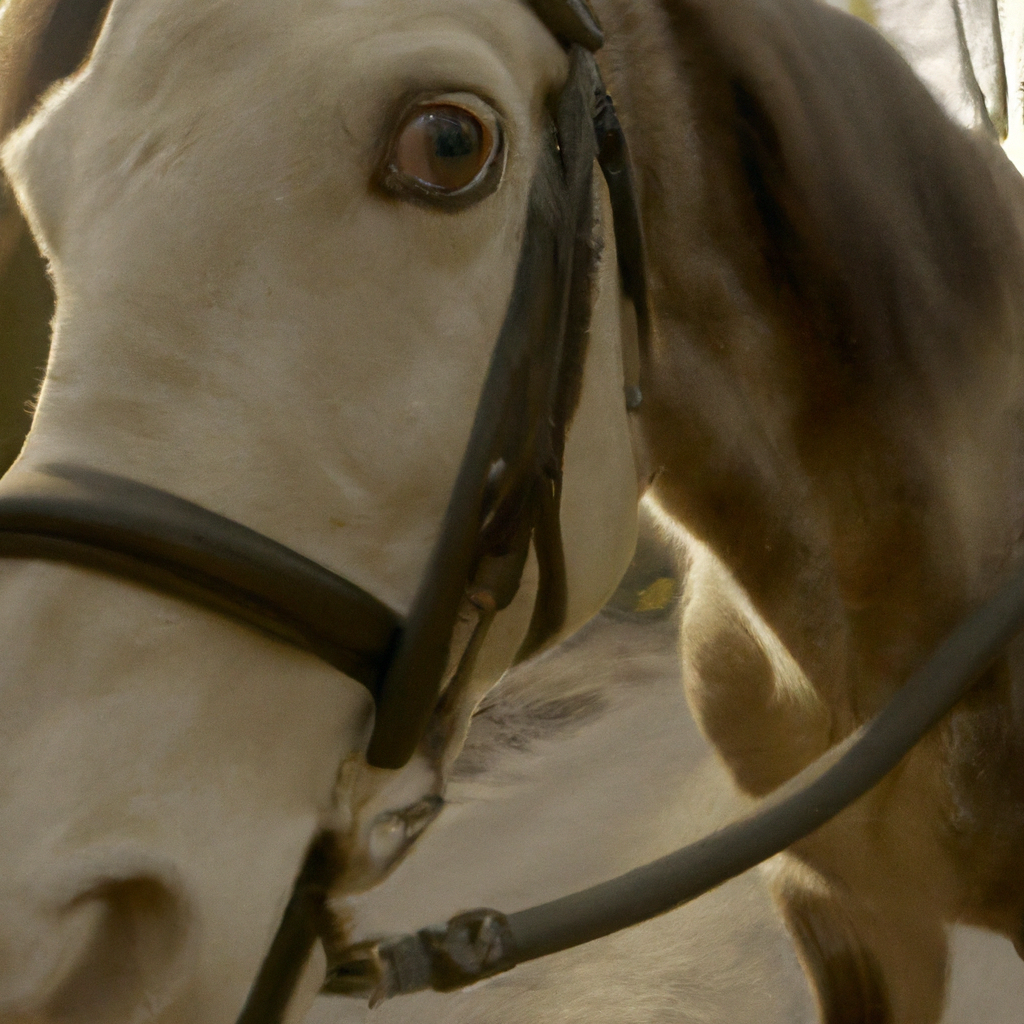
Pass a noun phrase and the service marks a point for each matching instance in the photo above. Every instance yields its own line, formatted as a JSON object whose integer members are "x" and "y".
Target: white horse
{"x": 248, "y": 318}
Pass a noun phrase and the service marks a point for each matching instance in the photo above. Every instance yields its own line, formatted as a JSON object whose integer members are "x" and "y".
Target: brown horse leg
{"x": 865, "y": 967}
{"x": 747, "y": 694}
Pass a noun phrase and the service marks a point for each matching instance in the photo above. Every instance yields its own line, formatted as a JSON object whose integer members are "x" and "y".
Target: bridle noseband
{"x": 505, "y": 499}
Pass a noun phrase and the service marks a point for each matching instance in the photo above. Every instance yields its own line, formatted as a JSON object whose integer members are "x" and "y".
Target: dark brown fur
{"x": 850, "y": 985}
{"x": 26, "y": 305}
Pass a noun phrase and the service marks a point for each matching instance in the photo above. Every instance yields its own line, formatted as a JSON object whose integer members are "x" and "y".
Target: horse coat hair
{"x": 832, "y": 424}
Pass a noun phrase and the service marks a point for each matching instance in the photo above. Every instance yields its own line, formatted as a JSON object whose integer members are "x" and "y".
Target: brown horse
{"x": 834, "y": 415}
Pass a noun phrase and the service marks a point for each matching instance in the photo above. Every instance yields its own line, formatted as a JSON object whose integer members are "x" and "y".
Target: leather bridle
{"x": 505, "y": 498}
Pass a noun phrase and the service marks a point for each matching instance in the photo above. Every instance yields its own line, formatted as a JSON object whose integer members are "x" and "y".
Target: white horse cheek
{"x": 600, "y": 492}
{"x": 243, "y": 320}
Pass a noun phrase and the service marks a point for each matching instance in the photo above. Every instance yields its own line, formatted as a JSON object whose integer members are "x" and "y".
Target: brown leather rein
{"x": 506, "y": 496}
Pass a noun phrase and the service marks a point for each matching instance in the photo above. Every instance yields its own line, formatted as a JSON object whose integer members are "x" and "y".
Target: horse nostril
{"x": 132, "y": 958}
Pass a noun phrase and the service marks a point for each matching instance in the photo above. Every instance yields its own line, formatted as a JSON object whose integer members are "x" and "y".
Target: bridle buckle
{"x": 470, "y": 947}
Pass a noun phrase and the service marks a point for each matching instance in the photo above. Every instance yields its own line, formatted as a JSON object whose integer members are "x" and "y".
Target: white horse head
{"x": 255, "y": 314}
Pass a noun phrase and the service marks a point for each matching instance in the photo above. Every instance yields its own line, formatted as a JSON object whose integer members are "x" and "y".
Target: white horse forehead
{"x": 301, "y": 88}
{"x": 352, "y": 37}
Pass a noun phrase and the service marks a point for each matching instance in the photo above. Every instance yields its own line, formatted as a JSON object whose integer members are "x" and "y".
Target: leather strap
{"x": 510, "y": 478}
{"x": 119, "y": 526}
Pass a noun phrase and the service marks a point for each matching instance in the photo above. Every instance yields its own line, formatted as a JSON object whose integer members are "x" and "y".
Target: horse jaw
{"x": 228, "y": 329}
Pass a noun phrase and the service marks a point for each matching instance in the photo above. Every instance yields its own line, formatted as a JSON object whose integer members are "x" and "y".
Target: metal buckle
{"x": 472, "y": 946}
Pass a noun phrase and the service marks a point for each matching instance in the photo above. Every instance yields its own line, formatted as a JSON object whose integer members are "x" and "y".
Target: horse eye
{"x": 442, "y": 149}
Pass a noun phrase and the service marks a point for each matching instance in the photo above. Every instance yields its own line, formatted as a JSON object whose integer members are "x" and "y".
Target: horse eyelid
{"x": 409, "y": 189}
